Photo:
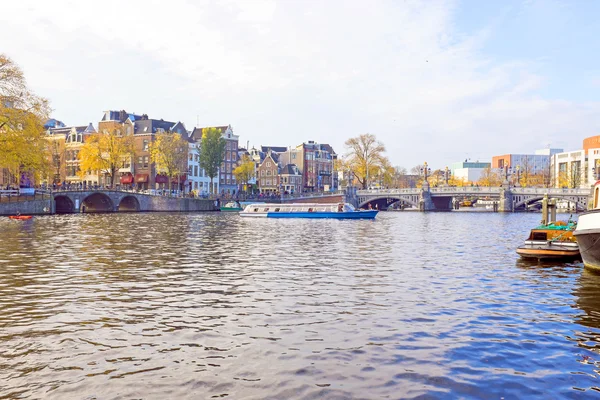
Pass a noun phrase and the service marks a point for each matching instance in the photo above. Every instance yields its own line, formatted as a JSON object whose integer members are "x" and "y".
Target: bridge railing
{"x": 552, "y": 191}
{"x": 477, "y": 190}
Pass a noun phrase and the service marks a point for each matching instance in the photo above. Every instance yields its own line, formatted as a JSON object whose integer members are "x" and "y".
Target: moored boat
{"x": 299, "y": 210}
{"x": 587, "y": 233}
{"x": 551, "y": 241}
{"x": 232, "y": 206}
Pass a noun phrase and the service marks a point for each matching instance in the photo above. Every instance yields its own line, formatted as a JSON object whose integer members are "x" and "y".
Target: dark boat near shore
{"x": 588, "y": 233}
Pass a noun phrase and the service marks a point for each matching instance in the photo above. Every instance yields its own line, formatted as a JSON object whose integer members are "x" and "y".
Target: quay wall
{"x": 30, "y": 207}
{"x": 146, "y": 204}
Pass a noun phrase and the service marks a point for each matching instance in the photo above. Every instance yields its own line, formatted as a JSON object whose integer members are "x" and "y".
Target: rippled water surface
{"x": 156, "y": 306}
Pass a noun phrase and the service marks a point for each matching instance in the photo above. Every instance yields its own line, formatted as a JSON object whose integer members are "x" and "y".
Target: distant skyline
{"x": 436, "y": 81}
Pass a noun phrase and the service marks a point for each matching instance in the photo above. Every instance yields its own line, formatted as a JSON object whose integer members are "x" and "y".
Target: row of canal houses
{"x": 306, "y": 167}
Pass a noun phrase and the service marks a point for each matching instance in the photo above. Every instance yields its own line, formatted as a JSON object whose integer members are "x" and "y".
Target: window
{"x": 190, "y": 170}
{"x": 268, "y": 172}
{"x": 146, "y": 158}
{"x": 145, "y": 144}
{"x": 268, "y": 163}
{"x": 233, "y": 156}
{"x": 191, "y": 157}
{"x": 140, "y": 161}
{"x": 195, "y": 170}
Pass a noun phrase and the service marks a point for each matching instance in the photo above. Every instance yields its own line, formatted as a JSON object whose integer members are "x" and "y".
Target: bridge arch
{"x": 389, "y": 200}
{"x": 579, "y": 204}
{"x": 97, "y": 202}
{"x": 63, "y": 205}
{"x": 129, "y": 204}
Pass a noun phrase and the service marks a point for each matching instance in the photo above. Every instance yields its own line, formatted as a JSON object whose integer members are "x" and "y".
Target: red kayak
{"x": 20, "y": 217}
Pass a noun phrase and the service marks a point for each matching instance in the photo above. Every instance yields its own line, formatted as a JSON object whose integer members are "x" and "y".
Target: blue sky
{"x": 557, "y": 37}
{"x": 436, "y": 80}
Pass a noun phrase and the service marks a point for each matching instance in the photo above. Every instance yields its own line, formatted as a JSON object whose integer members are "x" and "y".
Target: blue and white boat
{"x": 305, "y": 210}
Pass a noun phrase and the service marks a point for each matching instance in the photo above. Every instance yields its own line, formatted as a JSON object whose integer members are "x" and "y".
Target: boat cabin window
{"x": 256, "y": 210}
{"x": 294, "y": 209}
{"x": 311, "y": 210}
{"x": 277, "y": 209}
{"x": 539, "y": 236}
{"x": 266, "y": 209}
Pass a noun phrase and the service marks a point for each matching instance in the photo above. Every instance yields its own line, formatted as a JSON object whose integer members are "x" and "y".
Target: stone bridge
{"x": 123, "y": 201}
{"x": 442, "y": 198}
{"x": 94, "y": 201}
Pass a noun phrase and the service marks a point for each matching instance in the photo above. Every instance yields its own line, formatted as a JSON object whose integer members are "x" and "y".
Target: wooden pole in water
{"x": 545, "y": 210}
{"x": 552, "y": 206}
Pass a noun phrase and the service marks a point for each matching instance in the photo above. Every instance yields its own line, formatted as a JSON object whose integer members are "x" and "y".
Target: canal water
{"x": 411, "y": 305}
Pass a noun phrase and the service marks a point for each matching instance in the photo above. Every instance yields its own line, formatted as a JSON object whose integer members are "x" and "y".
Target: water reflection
{"x": 203, "y": 305}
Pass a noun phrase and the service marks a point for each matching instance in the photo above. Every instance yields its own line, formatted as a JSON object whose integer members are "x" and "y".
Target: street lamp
{"x": 507, "y": 170}
{"x": 425, "y": 170}
{"x": 447, "y": 173}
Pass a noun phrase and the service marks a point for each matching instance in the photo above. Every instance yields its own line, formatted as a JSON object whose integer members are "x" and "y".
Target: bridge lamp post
{"x": 447, "y": 173}
{"x": 425, "y": 170}
{"x": 507, "y": 171}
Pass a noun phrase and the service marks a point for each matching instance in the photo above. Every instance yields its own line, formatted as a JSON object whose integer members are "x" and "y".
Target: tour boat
{"x": 232, "y": 206}
{"x": 587, "y": 233}
{"x": 21, "y": 217}
{"x": 305, "y": 210}
{"x": 551, "y": 241}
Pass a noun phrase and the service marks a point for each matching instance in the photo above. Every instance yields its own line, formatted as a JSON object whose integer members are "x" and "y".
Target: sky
{"x": 436, "y": 81}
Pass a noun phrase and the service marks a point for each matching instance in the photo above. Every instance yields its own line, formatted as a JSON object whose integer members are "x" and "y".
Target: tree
{"x": 364, "y": 157}
{"x": 170, "y": 152}
{"x": 490, "y": 177}
{"x": 245, "y": 171}
{"x": 23, "y": 146}
{"x": 211, "y": 152}
{"x": 105, "y": 151}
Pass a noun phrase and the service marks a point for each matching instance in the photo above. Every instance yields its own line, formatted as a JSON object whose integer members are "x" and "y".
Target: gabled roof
{"x": 54, "y": 123}
{"x": 150, "y": 126}
{"x": 197, "y": 132}
{"x": 328, "y": 148}
{"x": 65, "y": 131}
{"x": 121, "y": 116}
{"x": 290, "y": 169}
{"x": 276, "y": 149}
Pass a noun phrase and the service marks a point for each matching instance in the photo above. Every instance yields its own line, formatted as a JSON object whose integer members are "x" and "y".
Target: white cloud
{"x": 283, "y": 72}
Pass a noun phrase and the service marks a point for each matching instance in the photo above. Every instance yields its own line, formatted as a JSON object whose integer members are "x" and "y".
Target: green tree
{"x": 364, "y": 157}
{"x": 169, "y": 152}
{"x": 245, "y": 171}
{"x": 211, "y": 152}
{"x": 104, "y": 152}
{"x": 23, "y": 144}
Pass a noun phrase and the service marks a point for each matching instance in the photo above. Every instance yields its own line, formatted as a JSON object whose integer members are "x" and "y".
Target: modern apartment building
{"x": 577, "y": 168}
